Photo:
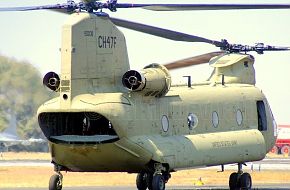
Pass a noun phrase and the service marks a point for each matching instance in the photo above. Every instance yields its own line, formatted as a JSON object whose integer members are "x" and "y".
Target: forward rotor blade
{"x": 197, "y": 60}
{"x": 164, "y": 33}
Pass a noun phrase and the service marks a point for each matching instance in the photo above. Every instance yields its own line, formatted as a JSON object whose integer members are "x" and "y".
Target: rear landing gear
{"x": 153, "y": 181}
{"x": 240, "y": 180}
{"x": 246, "y": 181}
{"x": 158, "y": 182}
{"x": 142, "y": 181}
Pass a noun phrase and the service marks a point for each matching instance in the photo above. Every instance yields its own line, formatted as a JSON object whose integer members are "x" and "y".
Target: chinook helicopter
{"x": 108, "y": 118}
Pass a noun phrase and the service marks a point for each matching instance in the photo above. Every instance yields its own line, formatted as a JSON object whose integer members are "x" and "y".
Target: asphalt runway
{"x": 261, "y": 187}
{"x": 266, "y": 164}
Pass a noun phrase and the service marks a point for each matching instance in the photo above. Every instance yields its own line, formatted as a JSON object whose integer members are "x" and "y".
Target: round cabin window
{"x": 192, "y": 121}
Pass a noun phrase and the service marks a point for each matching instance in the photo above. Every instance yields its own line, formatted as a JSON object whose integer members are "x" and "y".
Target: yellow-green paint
{"x": 91, "y": 79}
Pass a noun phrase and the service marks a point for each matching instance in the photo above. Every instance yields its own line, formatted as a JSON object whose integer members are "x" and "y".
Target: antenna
{"x": 188, "y": 81}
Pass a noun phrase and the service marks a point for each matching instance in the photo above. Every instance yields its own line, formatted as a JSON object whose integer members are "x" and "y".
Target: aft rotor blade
{"x": 185, "y": 7}
{"x": 161, "y": 32}
{"x": 112, "y": 5}
{"x": 31, "y": 8}
{"x": 197, "y": 60}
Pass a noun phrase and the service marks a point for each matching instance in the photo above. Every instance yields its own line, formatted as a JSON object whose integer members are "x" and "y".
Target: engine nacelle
{"x": 153, "y": 80}
{"x": 52, "y": 81}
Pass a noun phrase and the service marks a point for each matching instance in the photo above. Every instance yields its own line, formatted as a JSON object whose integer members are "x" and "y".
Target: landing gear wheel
{"x": 233, "y": 181}
{"x": 246, "y": 181}
{"x": 158, "y": 182}
{"x": 149, "y": 180}
{"x": 141, "y": 181}
{"x": 55, "y": 182}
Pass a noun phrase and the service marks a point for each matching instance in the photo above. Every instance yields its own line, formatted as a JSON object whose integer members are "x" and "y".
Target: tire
{"x": 55, "y": 182}
{"x": 233, "y": 181}
{"x": 285, "y": 149}
{"x": 158, "y": 182}
{"x": 246, "y": 181}
{"x": 274, "y": 150}
{"x": 149, "y": 180}
{"x": 141, "y": 181}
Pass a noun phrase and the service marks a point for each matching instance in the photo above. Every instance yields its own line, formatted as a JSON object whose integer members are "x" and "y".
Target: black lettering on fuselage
{"x": 107, "y": 42}
{"x": 88, "y": 33}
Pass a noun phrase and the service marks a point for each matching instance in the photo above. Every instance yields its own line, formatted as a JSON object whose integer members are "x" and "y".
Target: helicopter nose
{"x": 77, "y": 128}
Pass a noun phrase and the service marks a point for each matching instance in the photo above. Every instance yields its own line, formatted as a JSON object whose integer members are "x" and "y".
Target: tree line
{"x": 21, "y": 93}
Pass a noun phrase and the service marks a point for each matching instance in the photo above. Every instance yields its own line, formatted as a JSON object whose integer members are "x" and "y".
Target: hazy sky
{"x": 35, "y": 36}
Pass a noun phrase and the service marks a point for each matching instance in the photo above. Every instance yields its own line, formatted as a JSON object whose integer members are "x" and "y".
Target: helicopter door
{"x": 262, "y": 117}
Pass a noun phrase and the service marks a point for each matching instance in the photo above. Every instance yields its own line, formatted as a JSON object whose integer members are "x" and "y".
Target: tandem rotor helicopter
{"x": 108, "y": 118}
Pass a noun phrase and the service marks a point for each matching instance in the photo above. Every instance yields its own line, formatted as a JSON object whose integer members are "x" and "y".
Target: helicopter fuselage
{"x": 96, "y": 124}
{"x": 108, "y": 118}
{"x": 189, "y": 127}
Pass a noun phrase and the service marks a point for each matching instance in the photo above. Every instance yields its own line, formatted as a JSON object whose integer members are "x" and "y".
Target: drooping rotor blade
{"x": 112, "y": 5}
{"x": 178, "y": 36}
{"x": 197, "y": 60}
{"x": 164, "y": 33}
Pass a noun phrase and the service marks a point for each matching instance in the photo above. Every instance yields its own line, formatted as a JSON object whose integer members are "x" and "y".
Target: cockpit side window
{"x": 262, "y": 117}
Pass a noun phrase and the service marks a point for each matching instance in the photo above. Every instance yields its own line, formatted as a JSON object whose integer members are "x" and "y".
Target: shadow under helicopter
{"x": 169, "y": 188}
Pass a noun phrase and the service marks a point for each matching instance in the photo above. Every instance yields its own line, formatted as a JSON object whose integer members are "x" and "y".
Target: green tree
{"x": 21, "y": 93}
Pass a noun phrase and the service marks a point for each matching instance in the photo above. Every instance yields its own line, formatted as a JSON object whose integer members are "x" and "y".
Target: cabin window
{"x": 192, "y": 121}
{"x": 165, "y": 123}
{"x": 239, "y": 117}
{"x": 215, "y": 119}
{"x": 262, "y": 118}
{"x": 275, "y": 129}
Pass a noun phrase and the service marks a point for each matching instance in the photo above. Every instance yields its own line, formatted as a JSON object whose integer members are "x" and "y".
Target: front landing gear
{"x": 240, "y": 180}
{"x": 55, "y": 181}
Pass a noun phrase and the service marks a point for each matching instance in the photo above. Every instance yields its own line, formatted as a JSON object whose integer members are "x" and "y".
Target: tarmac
{"x": 266, "y": 164}
{"x": 259, "y": 187}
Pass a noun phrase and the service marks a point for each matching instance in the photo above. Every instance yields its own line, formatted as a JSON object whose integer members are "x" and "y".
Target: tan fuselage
{"x": 96, "y": 124}
{"x": 143, "y": 136}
